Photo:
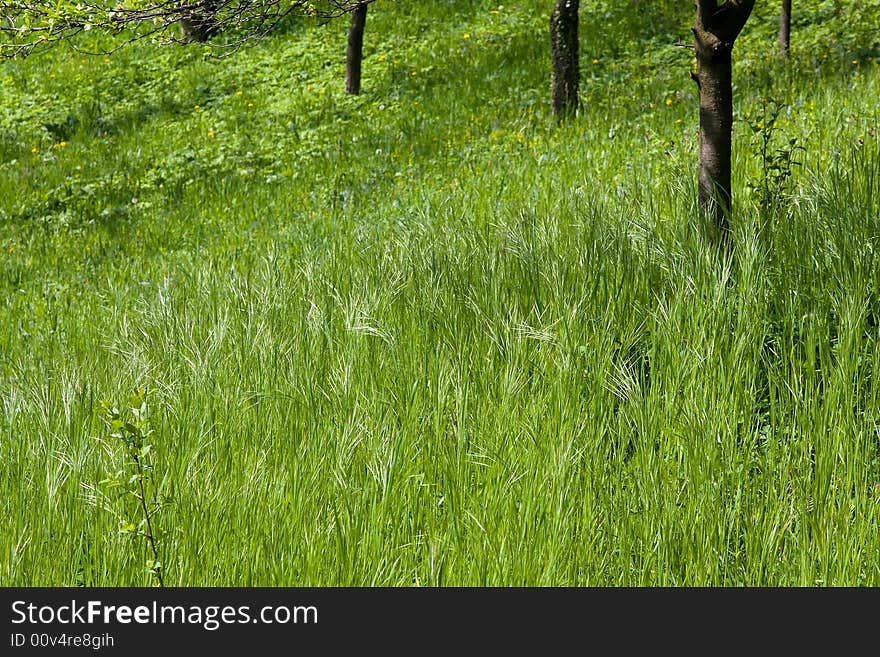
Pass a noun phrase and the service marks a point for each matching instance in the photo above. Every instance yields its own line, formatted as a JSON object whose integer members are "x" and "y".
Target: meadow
{"x": 427, "y": 336}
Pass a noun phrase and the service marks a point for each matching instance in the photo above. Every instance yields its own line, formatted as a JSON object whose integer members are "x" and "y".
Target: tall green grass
{"x": 427, "y": 337}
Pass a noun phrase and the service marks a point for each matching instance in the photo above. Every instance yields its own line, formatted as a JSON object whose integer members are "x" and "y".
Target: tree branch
{"x": 28, "y": 25}
{"x": 717, "y": 27}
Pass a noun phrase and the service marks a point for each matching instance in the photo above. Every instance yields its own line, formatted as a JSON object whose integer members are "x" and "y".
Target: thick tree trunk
{"x": 199, "y": 25}
{"x": 785, "y": 28}
{"x": 715, "y": 79}
{"x": 354, "y": 54}
{"x": 566, "y": 76}
{"x": 715, "y": 31}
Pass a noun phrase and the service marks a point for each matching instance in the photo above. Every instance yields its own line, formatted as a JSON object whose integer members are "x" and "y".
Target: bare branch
{"x": 27, "y": 26}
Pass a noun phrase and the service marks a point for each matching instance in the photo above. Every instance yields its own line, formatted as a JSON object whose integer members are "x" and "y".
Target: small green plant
{"x": 129, "y": 428}
{"x": 776, "y": 162}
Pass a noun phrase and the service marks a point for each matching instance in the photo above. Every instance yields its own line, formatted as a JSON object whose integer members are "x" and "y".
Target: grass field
{"x": 426, "y": 336}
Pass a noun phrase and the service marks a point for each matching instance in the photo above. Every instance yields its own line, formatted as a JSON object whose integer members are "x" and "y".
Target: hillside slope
{"x": 426, "y": 336}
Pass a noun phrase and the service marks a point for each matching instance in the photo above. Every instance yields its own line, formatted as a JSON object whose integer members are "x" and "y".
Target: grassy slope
{"x": 424, "y": 336}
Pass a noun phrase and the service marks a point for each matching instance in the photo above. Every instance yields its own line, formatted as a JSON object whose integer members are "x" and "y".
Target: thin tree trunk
{"x": 715, "y": 31}
{"x": 565, "y": 78}
{"x": 354, "y": 54}
{"x": 785, "y": 28}
{"x": 199, "y": 25}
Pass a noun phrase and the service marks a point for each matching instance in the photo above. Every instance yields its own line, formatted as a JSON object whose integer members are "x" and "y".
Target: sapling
{"x": 130, "y": 429}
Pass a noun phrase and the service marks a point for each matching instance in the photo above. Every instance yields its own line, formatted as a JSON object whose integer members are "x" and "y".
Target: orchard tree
{"x": 355, "y": 52}
{"x": 566, "y": 75}
{"x": 785, "y": 28}
{"x": 716, "y": 28}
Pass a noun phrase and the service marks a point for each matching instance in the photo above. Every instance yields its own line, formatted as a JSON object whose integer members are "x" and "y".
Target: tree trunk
{"x": 565, "y": 78}
{"x": 354, "y": 54}
{"x": 785, "y": 28}
{"x": 715, "y": 78}
{"x": 715, "y": 31}
{"x": 199, "y": 25}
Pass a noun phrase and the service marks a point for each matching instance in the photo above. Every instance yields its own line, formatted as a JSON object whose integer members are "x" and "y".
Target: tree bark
{"x": 715, "y": 30}
{"x": 354, "y": 54}
{"x": 785, "y": 28}
{"x": 199, "y": 25}
{"x": 565, "y": 78}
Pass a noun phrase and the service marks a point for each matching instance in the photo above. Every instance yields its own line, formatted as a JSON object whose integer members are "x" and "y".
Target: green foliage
{"x": 777, "y": 162}
{"x": 823, "y": 32}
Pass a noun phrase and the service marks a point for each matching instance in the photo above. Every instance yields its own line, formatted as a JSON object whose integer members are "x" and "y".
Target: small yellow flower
{"x": 381, "y": 58}
{"x": 239, "y": 93}
{"x": 35, "y": 150}
{"x": 668, "y": 102}
{"x": 198, "y": 107}
{"x": 855, "y": 61}
{"x": 595, "y": 61}
{"x": 60, "y": 144}
{"x": 250, "y": 104}
{"x": 467, "y": 35}
{"x": 211, "y": 134}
